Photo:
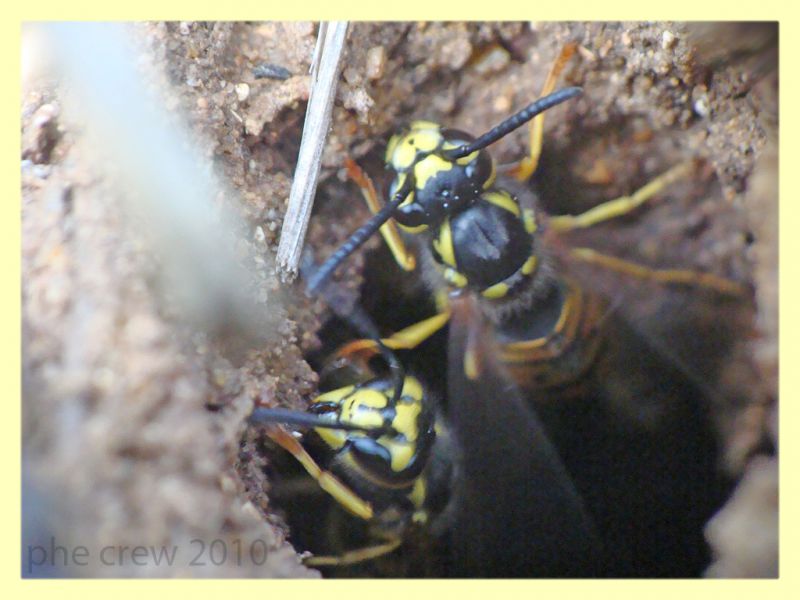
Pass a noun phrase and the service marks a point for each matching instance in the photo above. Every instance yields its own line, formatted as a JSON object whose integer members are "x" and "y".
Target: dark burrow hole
{"x": 650, "y": 491}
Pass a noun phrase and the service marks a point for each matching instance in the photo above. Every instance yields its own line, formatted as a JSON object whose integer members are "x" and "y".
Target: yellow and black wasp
{"x": 371, "y": 450}
{"x": 488, "y": 235}
{"x": 562, "y": 329}
{"x": 383, "y": 448}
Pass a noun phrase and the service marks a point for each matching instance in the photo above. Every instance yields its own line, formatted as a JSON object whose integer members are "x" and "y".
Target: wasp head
{"x": 439, "y": 184}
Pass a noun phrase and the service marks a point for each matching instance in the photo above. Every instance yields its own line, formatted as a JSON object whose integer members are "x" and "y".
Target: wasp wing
{"x": 519, "y": 514}
{"x": 642, "y": 443}
{"x": 669, "y": 318}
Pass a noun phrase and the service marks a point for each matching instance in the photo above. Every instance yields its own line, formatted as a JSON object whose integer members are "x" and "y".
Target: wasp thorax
{"x": 439, "y": 185}
{"x": 488, "y": 247}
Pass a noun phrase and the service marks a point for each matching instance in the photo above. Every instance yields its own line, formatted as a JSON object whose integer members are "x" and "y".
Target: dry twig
{"x": 324, "y": 77}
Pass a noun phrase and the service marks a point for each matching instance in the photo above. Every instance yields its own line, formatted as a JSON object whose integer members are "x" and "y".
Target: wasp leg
{"x": 326, "y": 480}
{"x": 413, "y": 335}
{"x": 358, "y": 351}
{"x": 527, "y": 166}
{"x": 405, "y": 339}
{"x": 622, "y": 205}
{"x": 354, "y": 556}
{"x": 674, "y": 276}
{"x": 388, "y": 230}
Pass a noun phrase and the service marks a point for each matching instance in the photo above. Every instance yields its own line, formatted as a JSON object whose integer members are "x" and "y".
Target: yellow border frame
{"x": 444, "y": 9}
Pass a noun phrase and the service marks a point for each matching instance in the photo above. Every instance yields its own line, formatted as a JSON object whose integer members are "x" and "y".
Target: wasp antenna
{"x": 354, "y": 242}
{"x": 262, "y": 415}
{"x": 514, "y": 121}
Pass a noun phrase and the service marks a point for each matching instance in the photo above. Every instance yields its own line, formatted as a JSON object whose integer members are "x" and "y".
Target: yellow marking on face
{"x": 503, "y": 200}
{"x": 360, "y": 408}
{"x": 404, "y": 151}
{"x": 364, "y": 397}
{"x": 529, "y": 219}
{"x": 444, "y": 244}
{"x": 428, "y": 167}
{"x": 335, "y": 395}
{"x": 404, "y": 154}
{"x": 335, "y": 438}
{"x": 406, "y": 420}
{"x": 357, "y": 407}
{"x": 498, "y": 290}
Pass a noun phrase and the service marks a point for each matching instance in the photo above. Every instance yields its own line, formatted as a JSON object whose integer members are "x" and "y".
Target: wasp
{"x": 487, "y": 234}
{"x": 374, "y": 452}
{"x": 483, "y": 238}
{"x": 384, "y": 449}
